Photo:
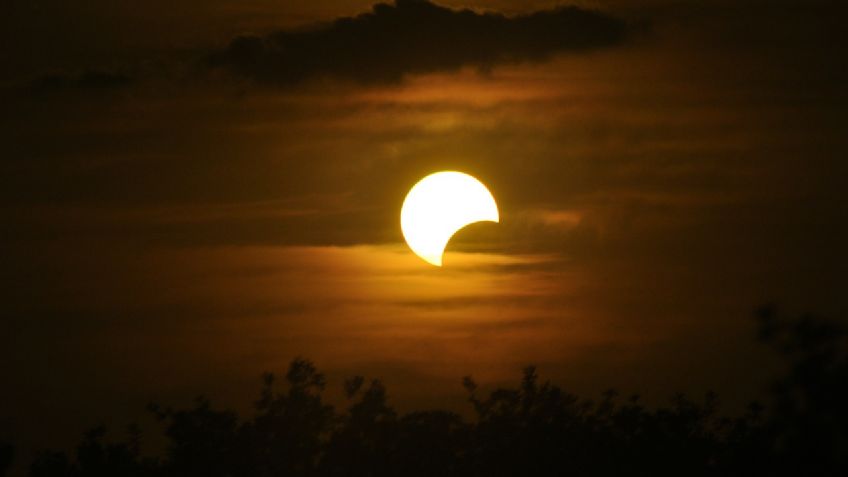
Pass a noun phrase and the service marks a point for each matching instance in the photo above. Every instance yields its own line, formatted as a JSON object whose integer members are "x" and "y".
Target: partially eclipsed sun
{"x": 438, "y": 206}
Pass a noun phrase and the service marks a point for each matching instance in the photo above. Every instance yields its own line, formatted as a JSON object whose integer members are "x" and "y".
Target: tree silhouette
{"x": 94, "y": 458}
{"x": 535, "y": 428}
{"x": 7, "y": 454}
{"x": 808, "y": 425}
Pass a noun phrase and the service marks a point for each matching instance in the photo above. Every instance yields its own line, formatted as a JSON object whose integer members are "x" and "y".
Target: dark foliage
{"x": 7, "y": 454}
{"x": 534, "y": 429}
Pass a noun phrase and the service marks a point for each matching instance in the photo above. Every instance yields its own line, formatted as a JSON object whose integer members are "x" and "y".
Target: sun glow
{"x": 438, "y": 206}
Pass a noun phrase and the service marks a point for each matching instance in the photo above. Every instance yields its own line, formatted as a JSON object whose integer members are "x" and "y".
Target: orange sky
{"x": 185, "y": 233}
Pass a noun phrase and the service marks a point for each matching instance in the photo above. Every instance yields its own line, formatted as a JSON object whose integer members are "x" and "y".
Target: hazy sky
{"x": 190, "y": 197}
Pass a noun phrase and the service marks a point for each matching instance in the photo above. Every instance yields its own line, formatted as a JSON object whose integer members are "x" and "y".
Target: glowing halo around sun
{"x": 438, "y": 206}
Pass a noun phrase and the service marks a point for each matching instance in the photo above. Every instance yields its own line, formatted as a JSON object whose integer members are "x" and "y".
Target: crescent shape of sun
{"x": 438, "y": 206}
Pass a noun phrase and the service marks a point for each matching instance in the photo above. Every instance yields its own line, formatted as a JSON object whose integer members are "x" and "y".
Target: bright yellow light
{"x": 438, "y": 206}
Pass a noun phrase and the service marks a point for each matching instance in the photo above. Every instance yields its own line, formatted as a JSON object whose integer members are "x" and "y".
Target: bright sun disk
{"x": 438, "y": 206}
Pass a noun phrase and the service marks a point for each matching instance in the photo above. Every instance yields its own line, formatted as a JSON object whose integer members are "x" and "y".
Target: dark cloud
{"x": 89, "y": 80}
{"x": 415, "y": 36}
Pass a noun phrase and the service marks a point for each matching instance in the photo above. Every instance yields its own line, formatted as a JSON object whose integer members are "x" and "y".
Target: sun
{"x": 438, "y": 206}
